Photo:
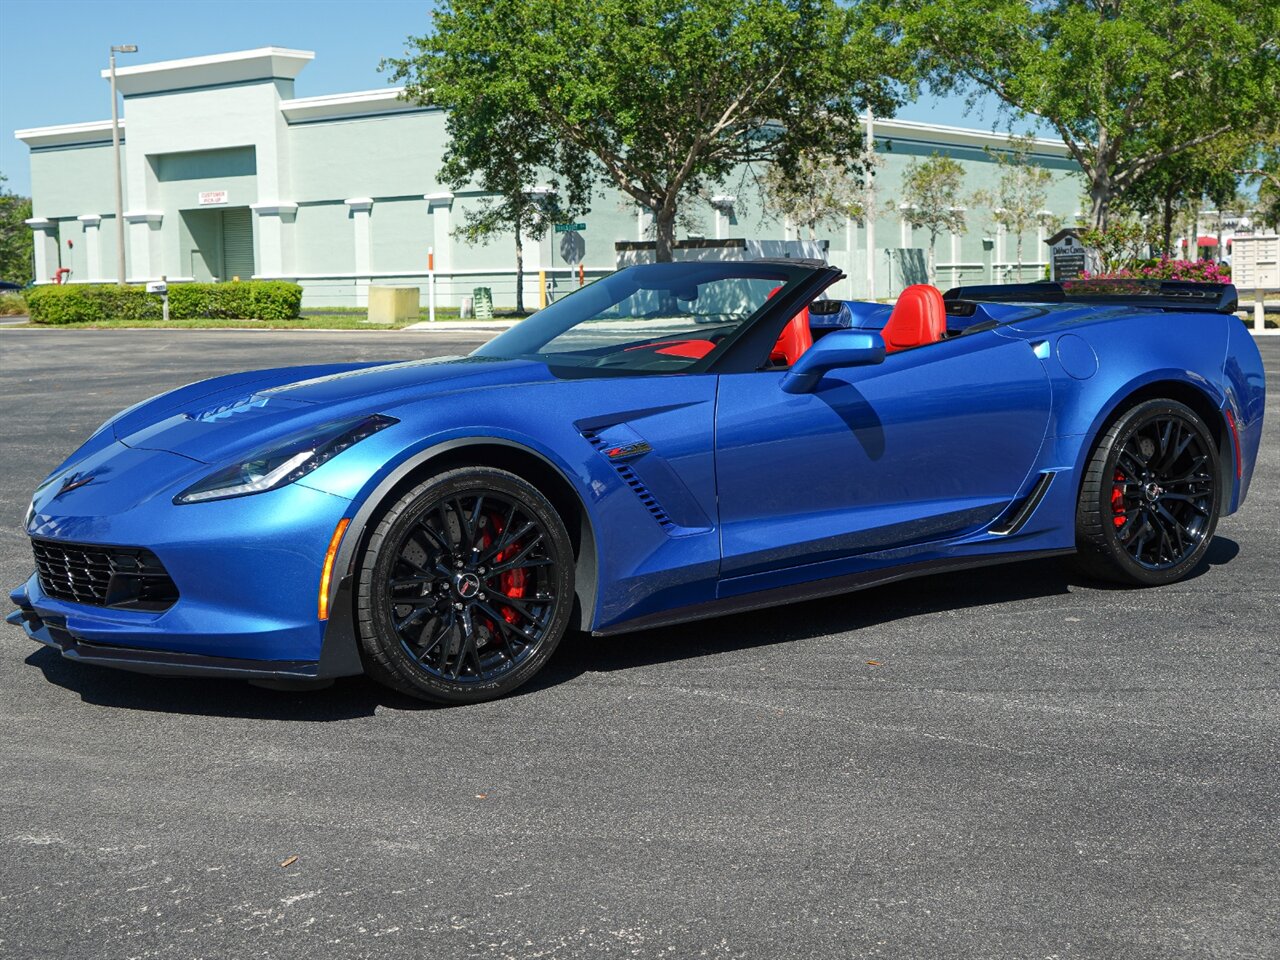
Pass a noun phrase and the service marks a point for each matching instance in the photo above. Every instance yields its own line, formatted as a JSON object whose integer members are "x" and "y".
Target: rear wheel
{"x": 465, "y": 588}
{"x": 1148, "y": 505}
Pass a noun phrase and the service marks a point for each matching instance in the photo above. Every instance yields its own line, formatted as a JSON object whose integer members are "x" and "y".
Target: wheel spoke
{"x": 525, "y": 633}
{"x": 1136, "y": 465}
{"x": 1191, "y": 499}
{"x": 519, "y": 559}
{"x": 508, "y": 538}
{"x": 1173, "y": 531}
{"x": 415, "y": 614}
{"x": 441, "y": 544}
{"x": 519, "y": 604}
{"x": 444, "y": 625}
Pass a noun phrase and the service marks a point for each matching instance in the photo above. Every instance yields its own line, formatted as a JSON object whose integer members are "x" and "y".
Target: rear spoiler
{"x": 1160, "y": 294}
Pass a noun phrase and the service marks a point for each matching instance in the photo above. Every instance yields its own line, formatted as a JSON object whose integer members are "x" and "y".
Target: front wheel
{"x": 1149, "y": 502}
{"x": 465, "y": 588}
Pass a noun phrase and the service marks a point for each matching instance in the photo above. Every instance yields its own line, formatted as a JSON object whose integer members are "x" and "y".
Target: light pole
{"x": 115, "y": 149}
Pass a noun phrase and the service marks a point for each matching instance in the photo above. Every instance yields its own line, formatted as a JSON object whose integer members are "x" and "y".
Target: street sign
{"x": 570, "y": 227}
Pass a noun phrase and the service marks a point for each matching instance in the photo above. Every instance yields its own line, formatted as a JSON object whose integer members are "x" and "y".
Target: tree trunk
{"x": 664, "y": 223}
{"x": 933, "y": 259}
{"x": 1018, "y": 247}
{"x": 1100, "y": 202}
{"x": 519, "y": 272}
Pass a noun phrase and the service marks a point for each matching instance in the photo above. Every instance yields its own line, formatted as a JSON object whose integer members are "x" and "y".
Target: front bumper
{"x": 53, "y": 633}
{"x": 247, "y": 573}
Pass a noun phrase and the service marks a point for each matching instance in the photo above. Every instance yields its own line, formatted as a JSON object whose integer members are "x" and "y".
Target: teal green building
{"x": 228, "y": 174}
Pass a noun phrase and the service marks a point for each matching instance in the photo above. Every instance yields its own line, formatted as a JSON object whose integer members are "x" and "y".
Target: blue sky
{"x": 53, "y": 50}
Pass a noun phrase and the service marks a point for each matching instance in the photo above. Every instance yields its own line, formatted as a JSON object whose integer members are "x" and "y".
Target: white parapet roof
{"x": 94, "y": 131}
{"x": 264, "y": 63}
{"x": 241, "y": 66}
{"x": 887, "y": 128}
{"x": 337, "y": 106}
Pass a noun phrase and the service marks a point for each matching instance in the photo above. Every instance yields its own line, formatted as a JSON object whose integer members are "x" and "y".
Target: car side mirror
{"x": 843, "y": 348}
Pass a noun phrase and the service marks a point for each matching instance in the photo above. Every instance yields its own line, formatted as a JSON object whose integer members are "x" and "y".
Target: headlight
{"x": 284, "y": 464}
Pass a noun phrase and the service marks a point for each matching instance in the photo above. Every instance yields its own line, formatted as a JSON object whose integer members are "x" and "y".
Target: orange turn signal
{"x": 326, "y": 575}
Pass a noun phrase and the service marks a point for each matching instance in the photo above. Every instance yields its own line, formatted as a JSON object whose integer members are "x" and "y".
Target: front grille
{"x": 103, "y": 576}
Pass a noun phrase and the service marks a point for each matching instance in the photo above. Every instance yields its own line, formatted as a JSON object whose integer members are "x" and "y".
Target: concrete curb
{"x": 495, "y": 326}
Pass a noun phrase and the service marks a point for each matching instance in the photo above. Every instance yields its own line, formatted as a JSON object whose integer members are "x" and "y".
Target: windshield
{"x": 654, "y": 318}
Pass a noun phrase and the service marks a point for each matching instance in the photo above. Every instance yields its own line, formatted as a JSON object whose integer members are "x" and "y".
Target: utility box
{"x": 393, "y": 304}
{"x": 1255, "y": 261}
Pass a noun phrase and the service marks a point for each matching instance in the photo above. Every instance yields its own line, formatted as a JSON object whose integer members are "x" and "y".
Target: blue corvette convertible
{"x": 674, "y": 441}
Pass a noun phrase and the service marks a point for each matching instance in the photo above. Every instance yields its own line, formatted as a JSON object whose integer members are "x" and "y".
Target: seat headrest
{"x": 919, "y": 317}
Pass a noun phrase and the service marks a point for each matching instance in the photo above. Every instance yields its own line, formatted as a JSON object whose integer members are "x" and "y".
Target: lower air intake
{"x": 102, "y": 576}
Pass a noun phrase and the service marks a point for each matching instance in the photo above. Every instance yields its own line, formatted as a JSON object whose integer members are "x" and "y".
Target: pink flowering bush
{"x": 1167, "y": 268}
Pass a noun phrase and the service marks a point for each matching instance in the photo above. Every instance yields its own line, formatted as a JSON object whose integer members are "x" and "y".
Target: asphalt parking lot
{"x": 1037, "y": 767}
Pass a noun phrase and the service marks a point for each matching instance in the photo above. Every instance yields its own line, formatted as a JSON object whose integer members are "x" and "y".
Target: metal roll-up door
{"x": 237, "y": 244}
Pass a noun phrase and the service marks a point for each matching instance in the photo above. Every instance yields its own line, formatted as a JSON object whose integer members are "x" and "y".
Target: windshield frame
{"x": 796, "y": 277}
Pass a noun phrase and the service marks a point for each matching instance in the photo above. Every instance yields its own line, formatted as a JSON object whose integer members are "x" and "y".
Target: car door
{"x": 929, "y": 445}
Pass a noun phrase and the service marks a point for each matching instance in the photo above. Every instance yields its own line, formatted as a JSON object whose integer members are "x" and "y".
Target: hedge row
{"x": 89, "y": 303}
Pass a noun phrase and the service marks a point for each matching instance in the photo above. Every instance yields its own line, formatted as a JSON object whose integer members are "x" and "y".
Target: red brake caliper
{"x": 1117, "y": 501}
{"x": 512, "y": 582}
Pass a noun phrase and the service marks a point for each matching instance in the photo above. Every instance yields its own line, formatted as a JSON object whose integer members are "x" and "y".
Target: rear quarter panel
{"x": 1132, "y": 350}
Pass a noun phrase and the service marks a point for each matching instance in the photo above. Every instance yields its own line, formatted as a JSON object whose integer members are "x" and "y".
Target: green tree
{"x": 1126, "y": 83}
{"x": 507, "y": 156}
{"x": 1262, "y": 169}
{"x": 1187, "y": 181}
{"x": 15, "y": 239}
{"x": 820, "y": 191}
{"x": 931, "y": 200}
{"x": 1022, "y": 189}
{"x": 664, "y": 97}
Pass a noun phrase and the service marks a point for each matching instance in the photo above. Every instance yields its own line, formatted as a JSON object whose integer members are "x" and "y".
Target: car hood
{"x": 217, "y": 419}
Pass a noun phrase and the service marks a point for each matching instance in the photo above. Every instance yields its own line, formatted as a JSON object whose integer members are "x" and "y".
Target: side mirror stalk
{"x": 843, "y": 348}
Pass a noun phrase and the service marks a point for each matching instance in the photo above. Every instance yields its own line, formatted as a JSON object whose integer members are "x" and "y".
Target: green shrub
{"x": 276, "y": 300}
{"x": 84, "y": 303}
{"x": 12, "y": 305}
{"x": 89, "y": 303}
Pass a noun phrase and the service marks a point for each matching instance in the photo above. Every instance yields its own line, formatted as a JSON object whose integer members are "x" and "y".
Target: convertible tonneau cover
{"x": 1160, "y": 294}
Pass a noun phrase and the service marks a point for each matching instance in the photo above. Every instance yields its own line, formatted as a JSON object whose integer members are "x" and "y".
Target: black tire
{"x": 1149, "y": 501}
{"x": 465, "y": 587}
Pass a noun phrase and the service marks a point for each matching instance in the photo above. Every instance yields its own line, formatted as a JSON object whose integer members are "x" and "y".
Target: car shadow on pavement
{"x": 842, "y": 613}
{"x": 581, "y": 654}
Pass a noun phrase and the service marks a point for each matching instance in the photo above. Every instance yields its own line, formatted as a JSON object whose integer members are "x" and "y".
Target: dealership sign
{"x": 208, "y": 197}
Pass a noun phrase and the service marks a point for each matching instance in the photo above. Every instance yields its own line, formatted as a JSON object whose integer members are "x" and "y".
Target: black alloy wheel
{"x": 1149, "y": 503}
{"x": 465, "y": 588}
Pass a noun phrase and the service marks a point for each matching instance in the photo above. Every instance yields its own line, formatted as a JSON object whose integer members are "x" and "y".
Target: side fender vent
{"x": 632, "y": 480}
{"x": 1019, "y": 513}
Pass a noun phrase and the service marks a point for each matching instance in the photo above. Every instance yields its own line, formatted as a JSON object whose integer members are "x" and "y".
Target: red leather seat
{"x": 795, "y": 339}
{"x": 919, "y": 317}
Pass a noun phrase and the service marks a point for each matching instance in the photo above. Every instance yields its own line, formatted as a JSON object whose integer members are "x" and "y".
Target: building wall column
{"x": 44, "y": 237}
{"x": 724, "y": 214}
{"x": 92, "y": 224}
{"x": 955, "y": 259}
{"x": 1000, "y": 259}
{"x": 271, "y": 239}
{"x": 440, "y": 206}
{"x": 360, "y": 209}
{"x": 143, "y": 235}
{"x": 644, "y": 222}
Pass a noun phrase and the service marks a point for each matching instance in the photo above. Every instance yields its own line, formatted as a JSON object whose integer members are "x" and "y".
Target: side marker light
{"x": 326, "y": 574}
